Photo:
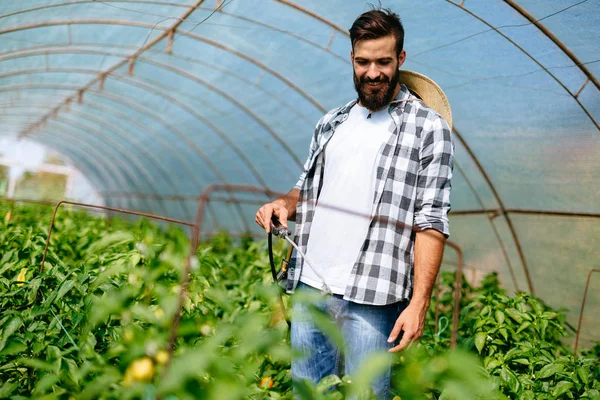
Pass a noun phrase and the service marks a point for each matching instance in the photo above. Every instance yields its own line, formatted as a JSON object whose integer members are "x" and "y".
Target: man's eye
{"x": 361, "y": 62}
{"x": 384, "y": 62}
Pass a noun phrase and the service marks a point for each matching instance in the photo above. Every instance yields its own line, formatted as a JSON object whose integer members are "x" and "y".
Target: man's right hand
{"x": 264, "y": 214}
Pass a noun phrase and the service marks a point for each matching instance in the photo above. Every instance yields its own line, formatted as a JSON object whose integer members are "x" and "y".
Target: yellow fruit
{"x": 128, "y": 335}
{"x": 159, "y": 313}
{"x": 7, "y": 216}
{"x": 397, "y": 398}
{"x": 140, "y": 370}
{"x": 266, "y": 382}
{"x": 21, "y": 277}
{"x": 162, "y": 357}
{"x": 205, "y": 330}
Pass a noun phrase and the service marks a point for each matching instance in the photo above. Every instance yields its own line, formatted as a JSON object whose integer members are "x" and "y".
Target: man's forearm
{"x": 429, "y": 248}
{"x": 289, "y": 201}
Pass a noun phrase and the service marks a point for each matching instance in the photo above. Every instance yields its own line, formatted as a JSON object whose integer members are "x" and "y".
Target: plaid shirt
{"x": 414, "y": 168}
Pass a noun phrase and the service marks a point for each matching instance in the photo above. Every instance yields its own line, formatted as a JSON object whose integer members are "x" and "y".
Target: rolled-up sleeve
{"x": 432, "y": 203}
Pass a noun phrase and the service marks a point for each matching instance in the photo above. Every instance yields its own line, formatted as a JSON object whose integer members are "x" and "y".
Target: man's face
{"x": 376, "y": 73}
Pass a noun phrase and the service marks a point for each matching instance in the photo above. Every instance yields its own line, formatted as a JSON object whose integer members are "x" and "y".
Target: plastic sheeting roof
{"x": 163, "y": 98}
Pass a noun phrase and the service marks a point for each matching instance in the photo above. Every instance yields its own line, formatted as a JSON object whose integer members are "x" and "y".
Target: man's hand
{"x": 411, "y": 322}
{"x": 264, "y": 214}
{"x": 283, "y": 208}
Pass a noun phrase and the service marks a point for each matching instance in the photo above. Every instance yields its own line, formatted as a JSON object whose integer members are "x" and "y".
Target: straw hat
{"x": 428, "y": 91}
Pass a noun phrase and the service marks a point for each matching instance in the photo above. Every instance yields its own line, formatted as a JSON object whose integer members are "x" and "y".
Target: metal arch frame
{"x": 101, "y": 174}
{"x": 100, "y": 170}
{"x": 121, "y": 117}
{"x": 166, "y": 30}
{"x": 112, "y": 97}
{"x": 502, "y": 208}
{"x": 120, "y": 175}
{"x": 115, "y": 129}
{"x": 43, "y": 49}
{"x": 574, "y": 96}
{"x": 131, "y": 173}
{"x": 221, "y": 11}
{"x": 104, "y": 125}
{"x": 131, "y": 121}
{"x": 556, "y": 41}
{"x": 22, "y": 11}
{"x": 285, "y": 2}
{"x": 496, "y": 233}
{"x": 110, "y": 145}
{"x": 198, "y": 116}
{"x": 475, "y": 159}
{"x": 177, "y": 71}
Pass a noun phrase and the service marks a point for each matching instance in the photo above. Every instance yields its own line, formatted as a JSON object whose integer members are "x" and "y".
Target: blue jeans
{"x": 364, "y": 328}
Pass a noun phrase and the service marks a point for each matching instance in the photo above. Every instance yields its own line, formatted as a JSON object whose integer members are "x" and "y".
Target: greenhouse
{"x": 171, "y": 122}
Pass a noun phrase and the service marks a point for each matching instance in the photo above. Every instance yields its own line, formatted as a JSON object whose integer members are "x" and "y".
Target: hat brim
{"x": 428, "y": 91}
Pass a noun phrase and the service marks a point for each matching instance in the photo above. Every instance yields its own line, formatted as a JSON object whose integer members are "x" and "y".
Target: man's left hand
{"x": 412, "y": 322}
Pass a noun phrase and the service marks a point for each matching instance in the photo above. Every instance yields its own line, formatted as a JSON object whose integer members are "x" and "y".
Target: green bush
{"x": 95, "y": 323}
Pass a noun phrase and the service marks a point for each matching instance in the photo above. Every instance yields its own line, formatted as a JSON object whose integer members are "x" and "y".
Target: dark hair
{"x": 378, "y": 23}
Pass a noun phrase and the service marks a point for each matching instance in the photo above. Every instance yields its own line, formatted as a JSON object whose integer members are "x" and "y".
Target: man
{"x": 387, "y": 158}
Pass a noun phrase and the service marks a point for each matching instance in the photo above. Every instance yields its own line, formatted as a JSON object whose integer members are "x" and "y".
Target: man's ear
{"x": 401, "y": 58}
{"x": 352, "y": 56}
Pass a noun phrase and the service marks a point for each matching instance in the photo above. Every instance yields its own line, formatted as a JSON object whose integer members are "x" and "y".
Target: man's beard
{"x": 376, "y": 99}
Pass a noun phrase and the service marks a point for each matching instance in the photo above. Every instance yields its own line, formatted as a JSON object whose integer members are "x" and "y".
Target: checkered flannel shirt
{"x": 414, "y": 168}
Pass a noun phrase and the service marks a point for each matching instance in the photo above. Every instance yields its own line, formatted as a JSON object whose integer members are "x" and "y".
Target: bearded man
{"x": 387, "y": 158}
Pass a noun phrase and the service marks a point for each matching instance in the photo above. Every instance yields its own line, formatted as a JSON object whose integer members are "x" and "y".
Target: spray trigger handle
{"x": 277, "y": 229}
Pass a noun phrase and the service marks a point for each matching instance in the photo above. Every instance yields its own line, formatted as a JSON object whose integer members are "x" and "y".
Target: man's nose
{"x": 373, "y": 72}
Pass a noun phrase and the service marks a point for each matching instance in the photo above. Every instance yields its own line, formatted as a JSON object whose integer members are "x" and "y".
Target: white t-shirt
{"x": 348, "y": 183}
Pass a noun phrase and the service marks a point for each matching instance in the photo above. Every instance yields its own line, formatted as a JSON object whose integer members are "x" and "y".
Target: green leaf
{"x": 8, "y": 329}
{"x": 13, "y": 347}
{"x": 480, "y": 340}
{"x": 523, "y": 361}
{"x": 510, "y": 379}
{"x": 523, "y": 326}
{"x": 561, "y": 388}
{"x": 550, "y": 370}
{"x": 499, "y": 317}
{"x": 493, "y": 364}
{"x": 64, "y": 288}
{"x": 583, "y": 374}
{"x": 549, "y": 315}
{"x": 113, "y": 239}
{"x": 7, "y": 388}
{"x": 514, "y": 314}
{"x": 328, "y": 382}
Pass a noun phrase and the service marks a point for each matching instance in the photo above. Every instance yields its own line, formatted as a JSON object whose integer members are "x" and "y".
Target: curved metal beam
{"x": 200, "y": 118}
{"x": 58, "y": 49}
{"x": 166, "y": 30}
{"x": 69, "y": 3}
{"x": 496, "y": 233}
{"x": 221, "y": 11}
{"x": 182, "y": 73}
{"x": 142, "y": 110}
{"x": 104, "y": 124}
{"x": 101, "y": 175}
{"x": 555, "y": 40}
{"x": 315, "y": 16}
{"x": 127, "y": 119}
{"x": 532, "y": 58}
{"x": 138, "y": 172}
{"x": 91, "y": 133}
{"x": 502, "y": 208}
{"x": 123, "y": 118}
{"x": 112, "y": 97}
{"x": 119, "y": 133}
